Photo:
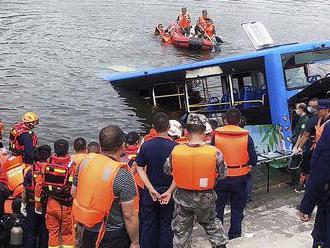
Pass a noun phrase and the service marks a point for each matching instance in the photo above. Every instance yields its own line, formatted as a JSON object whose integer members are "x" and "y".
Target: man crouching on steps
{"x": 195, "y": 167}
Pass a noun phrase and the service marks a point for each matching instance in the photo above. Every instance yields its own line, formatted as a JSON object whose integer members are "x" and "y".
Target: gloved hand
{"x": 23, "y": 209}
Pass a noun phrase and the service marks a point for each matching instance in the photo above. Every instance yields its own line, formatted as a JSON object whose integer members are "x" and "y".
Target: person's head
{"x": 243, "y": 122}
{"x": 30, "y": 119}
{"x": 80, "y": 145}
{"x": 312, "y": 105}
{"x": 323, "y": 108}
{"x": 93, "y": 147}
{"x": 132, "y": 139}
{"x": 42, "y": 153}
{"x": 112, "y": 140}
{"x": 167, "y": 33}
{"x": 183, "y": 10}
{"x": 161, "y": 122}
{"x": 233, "y": 117}
{"x": 175, "y": 130}
{"x": 204, "y": 13}
{"x": 61, "y": 147}
{"x": 208, "y": 22}
{"x": 301, "y": 109}
{"x": 196, "y": 125}
{"x": 160, "y": 26}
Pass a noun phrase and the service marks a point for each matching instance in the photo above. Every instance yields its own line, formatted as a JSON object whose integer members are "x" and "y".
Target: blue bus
{"x": 259, "y": 83}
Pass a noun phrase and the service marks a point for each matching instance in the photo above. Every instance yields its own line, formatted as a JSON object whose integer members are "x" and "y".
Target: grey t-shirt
{"x": 124, "y": 191}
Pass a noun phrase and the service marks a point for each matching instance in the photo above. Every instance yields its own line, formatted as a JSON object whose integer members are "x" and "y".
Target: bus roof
{"x": 146, "y": 78}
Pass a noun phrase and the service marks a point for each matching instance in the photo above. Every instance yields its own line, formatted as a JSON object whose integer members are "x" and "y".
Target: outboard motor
{"x": 195, "y": 43}
{"x": 16, "y": 236}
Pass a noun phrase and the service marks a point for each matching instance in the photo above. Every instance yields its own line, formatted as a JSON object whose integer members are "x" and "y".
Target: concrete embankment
{"x": 271, "y": 220}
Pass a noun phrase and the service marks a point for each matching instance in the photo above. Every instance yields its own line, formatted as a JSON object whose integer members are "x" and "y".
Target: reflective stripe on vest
{"x": 232, "y": 141}
{"x": 194, "y": 168}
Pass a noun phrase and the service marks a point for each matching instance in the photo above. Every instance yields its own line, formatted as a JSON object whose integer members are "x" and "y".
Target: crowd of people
{"x": 204, "y": 27}
{"x": 128, "y": 190}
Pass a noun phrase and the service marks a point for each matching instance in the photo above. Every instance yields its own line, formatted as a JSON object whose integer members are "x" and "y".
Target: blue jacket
{"x": 320, "y": 174}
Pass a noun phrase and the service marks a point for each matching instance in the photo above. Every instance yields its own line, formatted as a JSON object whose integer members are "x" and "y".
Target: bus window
{"x": 296, "y": 78}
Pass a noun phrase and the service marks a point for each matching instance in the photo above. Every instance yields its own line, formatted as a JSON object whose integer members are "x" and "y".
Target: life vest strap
{"x": 237, "y": 166}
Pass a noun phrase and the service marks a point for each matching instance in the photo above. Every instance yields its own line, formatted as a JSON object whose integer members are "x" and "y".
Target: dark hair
{"x": 233, "y": 116}
{"x": 79, "y": 144}
{"x": 132, "y": 138}
{"x": 161, "y": 122}
{"x": 111, "y": 138}
{"x": 302, "y": 106}
{"x": 243, "y": 121}
{"x": 44, "y": 153}
{"x": 61, "y": 147}
{"x": 214, "y": 124}
{"x": 192, "y": 128}
{"x": 93, "y": 147}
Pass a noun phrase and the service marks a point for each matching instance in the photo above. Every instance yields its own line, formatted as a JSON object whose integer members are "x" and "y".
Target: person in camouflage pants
{"x": 199, "y": 204}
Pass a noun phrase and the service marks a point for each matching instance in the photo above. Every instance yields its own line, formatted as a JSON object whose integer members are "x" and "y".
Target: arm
{"x": 302, "y": 139}
{"x": 253, "y": 158}
{"x": 154, "y": 194}
{"x": 131, "y": 221}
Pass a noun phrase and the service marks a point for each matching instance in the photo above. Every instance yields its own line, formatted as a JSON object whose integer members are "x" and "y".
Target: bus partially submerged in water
{"x": 259, "y": 83}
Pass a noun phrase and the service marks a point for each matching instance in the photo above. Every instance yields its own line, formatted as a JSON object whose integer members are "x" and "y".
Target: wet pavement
{"x": 271, "y": 220}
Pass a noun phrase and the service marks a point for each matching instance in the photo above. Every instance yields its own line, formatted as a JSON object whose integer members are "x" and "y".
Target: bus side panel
{"x": 277, "y": 96}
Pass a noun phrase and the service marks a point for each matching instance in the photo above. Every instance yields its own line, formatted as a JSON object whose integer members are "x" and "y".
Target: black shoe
{"x": 220, "y": 246}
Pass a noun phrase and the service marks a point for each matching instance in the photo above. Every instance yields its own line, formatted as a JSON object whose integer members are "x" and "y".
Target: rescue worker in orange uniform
{"x": 184, "y": 21}
{"x": 105, "y": 207}
{"x": 151, "y": 135}
{"x": 201, "y": 23}
{"x": 80, "y": 148}
{"x": 57, "y": 178}
{"x": 238, "y": 150}
{"x": 195, "y": 167}
{"x": 209, "y": 29}
{"x": 35, "y": 227}
{"x": 22, "y": 139}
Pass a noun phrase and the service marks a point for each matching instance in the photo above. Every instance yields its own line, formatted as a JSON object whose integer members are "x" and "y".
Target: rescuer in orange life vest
{"x": 106, "y": 206}
{"x": 35, "y": 231}
{"x": 57, "y": 178}
{"x": 209, "y": 29}
{"x": 238, "y": 150}
{"x": 184, "y": 21}
{"x": 22, "y": 140}
{"x": 195, "y": 166}
{"x": 201, "y": 23}
{"x": 80, "y": 148}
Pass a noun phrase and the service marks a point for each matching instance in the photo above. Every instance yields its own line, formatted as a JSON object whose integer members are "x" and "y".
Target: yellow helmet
{"x": 30, "y": 117}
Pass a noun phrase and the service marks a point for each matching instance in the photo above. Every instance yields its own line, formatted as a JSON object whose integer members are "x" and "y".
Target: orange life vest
{"x": 15, "y": 170}
{"x": 16, "y": 131}
{"x": 210, "y": 30}
{"x": 94, "y": 195}
{"x": 232, "y": 141}
{"x": 182, "y": 140}
{"x": 3, "y": 175}
{"x": 78, "y": 158}
{"x": 194, "y": 168}
{"x": 58, "y": 178}
{"x": 201, "y": 22}
{"x": 151, "y": 135}
{"x": 319, "y": 129}
{"x": 167, "y": 39}
{"x": 184, "y": 20}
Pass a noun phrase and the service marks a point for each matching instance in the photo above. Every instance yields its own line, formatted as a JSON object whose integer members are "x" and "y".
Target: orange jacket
{"x": 167, "y": 39}
{"x": 184, "y": 20}
{"x": 15, "y": 171}
{"x": 3, "y": 175}
{"x": 94, "y": 198}
{"x": 15, "y": 132}
{"x": 319, "y": 129}
{"x": 210, "y": 30}
{"x": 152, "y": 134}
{"x": 194, "y": 168}
{"x": 232, "y": 141}
{"x": 78, "y": 158}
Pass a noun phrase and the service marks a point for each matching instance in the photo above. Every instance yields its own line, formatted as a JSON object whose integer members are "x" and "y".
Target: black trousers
{"x": 113, "y": 239}
{"x": 4, "y": 193}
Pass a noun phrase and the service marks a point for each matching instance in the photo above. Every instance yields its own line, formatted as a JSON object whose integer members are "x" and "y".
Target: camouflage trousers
{"x": 199, "y": 206}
